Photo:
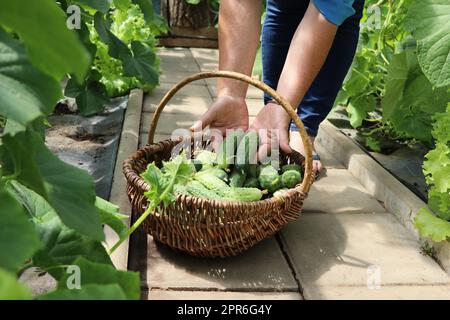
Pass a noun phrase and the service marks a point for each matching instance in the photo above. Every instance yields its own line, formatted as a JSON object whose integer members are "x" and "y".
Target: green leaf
{"x": 109, "y": 215}
{"x": 91, "y": 97}
{"x": 122, "y": 5}
{"x": 431, "y": 226}
{"x": 146, "y": 8}
{"x": 88, "y": 292}
{"x": 116, "y": 48}
{"x": 97, "y": 273}
{"x": 359, "y": 107}
{"x": 141, "y": 63}
{"x": 409, "y": 100}
{"x": 100, "y": 5}
{"x": 51, "y": 46}
{"x": 429, "y": 22}
{"x": 437, "y": 167}
{"x": 18, "y": 240}
{"x": 23, "y": 85}
{"x": 61, "y": 245}
{"x": 11, "y": 289}
{"x": 193, "y": 1}
{"x": 68, "y": 189}
{"x": 439, "y": 202}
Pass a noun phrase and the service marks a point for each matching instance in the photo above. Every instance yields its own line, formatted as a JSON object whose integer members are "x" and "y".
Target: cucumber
{"x": 253, "y": 170}
{"x": 204, "y": 160}
{"x": 270, "y": 179}
{"x": 212, "y": 182}
{"x": 251, "y": 183}
{"x": 246, "y": 153}
{"x": 219, "y": 173}
{"x": 279, "y": 192}
{"x": 290, "y": 178}
{"x": 237, "y": 177}
{"x": 228, "y": 147}
{"x": 197, "y": 189}
{"x": 291, "y": 166}
{"x": 244, "y": 194}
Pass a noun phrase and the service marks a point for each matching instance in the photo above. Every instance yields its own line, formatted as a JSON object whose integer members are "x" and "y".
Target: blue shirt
{"x": 335, "y": 11}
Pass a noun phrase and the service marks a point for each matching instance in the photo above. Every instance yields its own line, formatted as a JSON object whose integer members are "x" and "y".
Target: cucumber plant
{"x": 400, "y": 84}
{"x": 49, "y": 215}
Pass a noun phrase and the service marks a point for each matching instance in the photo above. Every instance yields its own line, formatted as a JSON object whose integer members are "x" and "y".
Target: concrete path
{"x": 344, "y": 246}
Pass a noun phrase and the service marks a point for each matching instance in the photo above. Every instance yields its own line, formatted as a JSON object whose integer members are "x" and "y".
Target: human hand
{"x": 272, "y": 125}
{"x": 227, "y": 112}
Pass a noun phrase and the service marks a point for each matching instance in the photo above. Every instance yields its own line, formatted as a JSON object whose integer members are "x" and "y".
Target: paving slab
{"x": 175, "y": 76}
{"x": 207, "y": 59}
{"x": 178, "y": 104}
{"x": 395, "y": 292}
{"x": 192, "y": 89}
{"x": 252, "y": 92}
{"x": 168, "y": 122}
{"x": 261, "y": 268}
{"x": 219, "y": 295}
{"x": 183, "y": 62}
{"x": 331, "y": 252}
{"x": 339, "y": 192}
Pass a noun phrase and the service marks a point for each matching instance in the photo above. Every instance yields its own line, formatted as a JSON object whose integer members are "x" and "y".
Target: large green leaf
{"x": 139, "y": 61}
{"x": 91, "y": 96}
{"x": 88, "y": 292}
{"x": 146, "y": 8}
{"x": 409, "y": 100}
{"x": 431, "y": 226}
{"x": 116, "y": 48}
{"x": 51, "y": 46}
{"x": 61, "y": 245}
{"x": 429, "y": 21}
{"x": 18, "y": 240}
{"x": 109, "y": 215}
{"x": 97, "y": 273}
{"x": 11, "y": 289}
{"x": 100, "y": 5}
{"x": 359, "y": 107}
{"x": 25, "y": 92}
{"x": 68, "y": 189}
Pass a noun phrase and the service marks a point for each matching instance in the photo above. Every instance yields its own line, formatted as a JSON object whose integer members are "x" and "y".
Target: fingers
{"x": 284, "y": 141}
{"x": 204, "y": 121}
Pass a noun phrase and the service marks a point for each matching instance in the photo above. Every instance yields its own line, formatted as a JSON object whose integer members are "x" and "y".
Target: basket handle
{"x": 308, "y": 178}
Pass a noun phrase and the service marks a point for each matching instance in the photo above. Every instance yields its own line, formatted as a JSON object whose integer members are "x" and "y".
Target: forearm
{"x": 239, "y": 30}
{"x": 307, "y": 53}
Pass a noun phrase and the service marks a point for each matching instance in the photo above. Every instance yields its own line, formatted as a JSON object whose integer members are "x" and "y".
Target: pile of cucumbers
{"x": 233, "y": 173}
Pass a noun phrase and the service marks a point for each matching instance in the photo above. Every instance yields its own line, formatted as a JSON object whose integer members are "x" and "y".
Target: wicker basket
{"x": 212, "y": 228}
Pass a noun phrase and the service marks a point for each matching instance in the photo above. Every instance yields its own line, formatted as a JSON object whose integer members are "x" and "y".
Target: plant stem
{"x": 135, "y": 225}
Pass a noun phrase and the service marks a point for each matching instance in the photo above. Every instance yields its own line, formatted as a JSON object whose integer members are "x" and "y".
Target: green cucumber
{"x": 227, "y": 149}
{"x": 205, "y": 159}
{"x": 291, "y": 178}
{"x": 219, "y": 173}
{"x": 251, "y": 183}
{"x": 244, "y": 194}
{"x": 246, "y": 153}
{"x": 270, "y": 179}
{"x": 253, "y": 170}
{"x": 197, "y": 189}
{"x": 291, "y": 166}
{"x": 237, "y": 177}
{"x": 212, "y": 182}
